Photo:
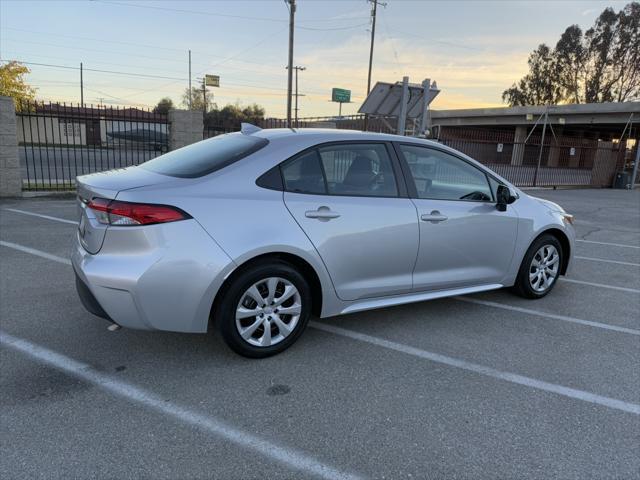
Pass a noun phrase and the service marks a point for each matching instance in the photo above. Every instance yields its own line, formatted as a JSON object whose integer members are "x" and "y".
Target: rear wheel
{"x": 264, "y": 310}
{"x": 540, "y": 268}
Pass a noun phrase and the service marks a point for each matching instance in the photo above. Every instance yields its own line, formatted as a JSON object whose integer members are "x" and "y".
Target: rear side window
{"x": 358, "y": 169}
{"x": 363, "y": 170}
{"x": 207, "y": 156}
{"x": 304, "y": 174}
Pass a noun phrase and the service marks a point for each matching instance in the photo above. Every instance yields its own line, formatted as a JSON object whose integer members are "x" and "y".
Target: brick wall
{"x": 10, "y": 175}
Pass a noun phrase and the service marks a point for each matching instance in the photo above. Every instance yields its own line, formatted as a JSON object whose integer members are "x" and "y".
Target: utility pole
{"x": 297, "y": 69}
{"x": 374, "y": 10}
{"x": 189, "y": 79}
{"x": 292, "y": 13}
{"x": 204, "y": 97}
{"x": 81, "y": 88}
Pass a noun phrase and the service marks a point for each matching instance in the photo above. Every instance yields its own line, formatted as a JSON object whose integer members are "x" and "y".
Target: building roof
{"x": 589, "y": 114}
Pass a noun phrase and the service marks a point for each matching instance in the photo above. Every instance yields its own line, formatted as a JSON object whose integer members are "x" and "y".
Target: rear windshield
{"x": 205, "y": 157}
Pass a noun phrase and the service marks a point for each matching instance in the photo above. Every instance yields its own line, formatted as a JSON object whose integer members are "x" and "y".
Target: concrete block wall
{"x": 10, "y": 173}
{"x": 185, "y": 128}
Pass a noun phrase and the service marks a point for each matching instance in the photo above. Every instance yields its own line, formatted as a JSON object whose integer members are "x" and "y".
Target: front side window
{"x": 441, "y": 176}
{"x": 205, "y": 157}
{"x": 359, "y": 170}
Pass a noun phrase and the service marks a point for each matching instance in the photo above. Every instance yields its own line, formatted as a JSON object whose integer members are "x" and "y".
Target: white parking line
{"x": 600, "y": 285}
{"x": 605, "y": 326}
{"x": 33, "y": 251}
{"x": 607, "y": 243}
{"x": 48, "y": 217}
{"x": 289, "y": 457}
{"x": 483, "y": 370}
{"x": 564, "y": 318}
{"x": 435, "y": 357}
{"x": 617, "y": 262}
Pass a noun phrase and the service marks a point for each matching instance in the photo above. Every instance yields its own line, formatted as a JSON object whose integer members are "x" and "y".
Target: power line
{"x": 223, "y": 15}
{"x": 208, "y": 54}
{"x": 31, "y": 54}
{"x": 73, "y": 47}
{"x": 112, "y": 72}
{"x": 350, "y": 27}
{"x": 142, "y": 75}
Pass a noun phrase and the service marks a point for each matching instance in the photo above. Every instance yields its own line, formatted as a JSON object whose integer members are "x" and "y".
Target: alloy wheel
{"x": 268, "y": 312}
{"x": 544, "y": 267}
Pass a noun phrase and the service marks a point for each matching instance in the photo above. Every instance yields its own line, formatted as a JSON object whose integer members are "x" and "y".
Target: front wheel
{"x": 540, "y": 268}
{"x": 264, "y": 310}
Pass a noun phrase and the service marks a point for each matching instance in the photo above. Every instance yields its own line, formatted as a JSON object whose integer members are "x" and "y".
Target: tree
{"x": 231, "y": 115}
{"x": 13, "y": 84}
{"x": 539, "y": 86}
{"x": 197, "y": 102}
{"x": 164, "y": 105}
{"x": 599, "y": 65}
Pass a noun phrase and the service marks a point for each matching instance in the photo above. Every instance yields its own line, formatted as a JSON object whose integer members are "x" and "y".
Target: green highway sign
{"x": 340, "y": 95}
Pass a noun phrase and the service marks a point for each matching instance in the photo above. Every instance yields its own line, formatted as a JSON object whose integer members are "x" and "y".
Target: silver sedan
{"x": 253, "y": 232}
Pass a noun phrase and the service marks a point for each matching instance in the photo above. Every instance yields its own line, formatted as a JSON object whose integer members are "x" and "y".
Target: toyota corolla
{"x": 252, "y": 232}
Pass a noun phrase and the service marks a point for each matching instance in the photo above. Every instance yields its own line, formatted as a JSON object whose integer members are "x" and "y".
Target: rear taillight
{"x": 114, "y": 212}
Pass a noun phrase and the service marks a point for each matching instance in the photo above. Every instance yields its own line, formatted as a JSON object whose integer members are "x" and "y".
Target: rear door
{"x": 350, "y": 200}
{"x": 464, "y": 239}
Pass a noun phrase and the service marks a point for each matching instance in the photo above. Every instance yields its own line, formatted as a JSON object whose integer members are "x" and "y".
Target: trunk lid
{"x": 107, "y": 185}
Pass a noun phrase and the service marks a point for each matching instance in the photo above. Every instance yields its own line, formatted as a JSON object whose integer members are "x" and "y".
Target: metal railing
{"x": 215, "y": 130}
{"x": 558, "y": 161}
{"x": 58, "y": 141}
{"x": 345, "y": 122}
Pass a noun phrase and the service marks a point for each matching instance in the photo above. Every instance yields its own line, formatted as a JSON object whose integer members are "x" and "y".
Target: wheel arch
{"x": 296, "y": 261}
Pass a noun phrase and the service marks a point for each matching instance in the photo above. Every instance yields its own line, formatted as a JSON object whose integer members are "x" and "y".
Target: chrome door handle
{"x": 433, "y": 217}
{"x": 322, "y": 213}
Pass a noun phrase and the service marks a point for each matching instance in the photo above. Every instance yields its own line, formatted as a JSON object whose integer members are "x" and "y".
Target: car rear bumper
{"x": 88, "y": 300}
{"x": 155, "y": 277}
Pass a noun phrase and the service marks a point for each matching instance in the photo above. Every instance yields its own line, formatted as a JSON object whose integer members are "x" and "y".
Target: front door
{"x": 347, "y": 200}
{"x": 464, "y": 239}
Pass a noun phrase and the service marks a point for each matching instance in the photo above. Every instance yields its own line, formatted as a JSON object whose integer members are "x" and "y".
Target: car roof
{"x": 330, "y": 134}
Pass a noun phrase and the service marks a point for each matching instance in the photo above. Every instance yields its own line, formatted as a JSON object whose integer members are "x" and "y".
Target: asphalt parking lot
{"x": 490, "y": 386}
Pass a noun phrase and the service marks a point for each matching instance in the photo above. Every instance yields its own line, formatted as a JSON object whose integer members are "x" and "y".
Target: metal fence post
{"x": 635, "y": 164}
{"x": 544, "y": 130}
{"x": 424, "y": 110}
{"x": 403, "y": 106}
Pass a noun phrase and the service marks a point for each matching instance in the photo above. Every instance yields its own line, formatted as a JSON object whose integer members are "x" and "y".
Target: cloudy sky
{"x": 473, "y": 49}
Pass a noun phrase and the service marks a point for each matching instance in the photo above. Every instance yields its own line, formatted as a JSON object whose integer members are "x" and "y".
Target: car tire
{"x": 540, "y": 268}
{"x": 275, "y": 331}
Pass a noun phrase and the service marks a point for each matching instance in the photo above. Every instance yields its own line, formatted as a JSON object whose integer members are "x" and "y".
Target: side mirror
{"x": 503, "y": 198}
